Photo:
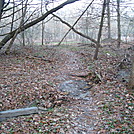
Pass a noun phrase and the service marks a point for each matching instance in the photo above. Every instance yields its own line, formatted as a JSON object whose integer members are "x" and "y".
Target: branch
{"x": 5, "y": 25}
{"x": 81, "y": 34}
{"x": 10, "y": 35}
{"x": 76, "y": 22}
{"x": 11, "y": 14}
{"x": 16, "y": 32}
{"x": 12, "y": 7}
{"x": 16, "y": 20}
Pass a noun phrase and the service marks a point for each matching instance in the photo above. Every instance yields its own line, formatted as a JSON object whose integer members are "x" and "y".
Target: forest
{"x": 66, "y": 66}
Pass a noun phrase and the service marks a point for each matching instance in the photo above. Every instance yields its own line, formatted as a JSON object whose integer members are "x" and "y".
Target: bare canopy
{"x": 30, "y": 24}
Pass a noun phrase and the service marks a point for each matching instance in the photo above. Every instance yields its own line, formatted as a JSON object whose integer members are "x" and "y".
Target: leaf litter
{"x": 27, "y": 82}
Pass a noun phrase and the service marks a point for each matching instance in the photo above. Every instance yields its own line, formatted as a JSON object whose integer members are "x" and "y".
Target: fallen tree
{"x": 20, "y": 112}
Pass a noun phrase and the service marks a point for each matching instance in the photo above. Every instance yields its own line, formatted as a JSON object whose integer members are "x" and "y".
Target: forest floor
{"x": 30, "y": 77}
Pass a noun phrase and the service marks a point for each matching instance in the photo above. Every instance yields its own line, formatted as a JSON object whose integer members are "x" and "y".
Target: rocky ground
{"x": 33, "y": 76}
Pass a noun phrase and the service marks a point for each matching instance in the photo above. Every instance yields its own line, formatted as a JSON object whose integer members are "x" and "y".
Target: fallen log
{"x": 20, "y": 112}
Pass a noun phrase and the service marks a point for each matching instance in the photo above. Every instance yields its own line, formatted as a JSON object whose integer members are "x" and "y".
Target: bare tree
{"x": 30, "y": 24}
{"x": 13, "y": 16}
{"x": 77, "y": 32}
{"x": 76, "y": 21}
{"x": 100, "y": 31}
{"x": 16, "y": 32}
{"x": 42, "y": 24}
{"x": 118, "y": 23}
{"x": 23, "y": 17}
{"x": 108, "y": 19}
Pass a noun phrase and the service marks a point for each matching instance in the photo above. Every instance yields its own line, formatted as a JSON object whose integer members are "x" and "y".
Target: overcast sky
{"x": 128, "y": 5}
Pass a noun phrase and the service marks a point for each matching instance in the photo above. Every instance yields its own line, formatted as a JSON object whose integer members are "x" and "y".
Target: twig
{"x": 38, "y": 58}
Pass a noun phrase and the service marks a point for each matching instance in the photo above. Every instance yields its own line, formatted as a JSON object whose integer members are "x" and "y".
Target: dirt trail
{"x": 84, "y": 114}
{"x": 71, "y": 64}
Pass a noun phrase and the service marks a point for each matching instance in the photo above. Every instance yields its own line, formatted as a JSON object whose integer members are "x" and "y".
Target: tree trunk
{"x": 42, "y": 24}
{"x": 118, "y": 23}
{"x": 43, "y": 27}
{"x": 100, "y": 31}
{"x": 11, "y": 43}
{"x": 131, "y": 80}
{"x": 1, "y": 7}
{"x": 17, "y": 31}
{"x": 108, "y": 19}
{"x": 23, "y": 16}
{"x": 12, "y": 24}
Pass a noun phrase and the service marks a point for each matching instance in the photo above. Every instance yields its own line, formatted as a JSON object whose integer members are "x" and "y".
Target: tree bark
{"x": 100, "y": 31}
{"x": 42, "y": 24}
{"x": 26, "y": 26}
{"x": 118, "y": 23}
{"x": 23, "y": 16}
{"x": 131, "y": 79}
{"x": 16, "y": 33}
{"x": 1, "y": 7}
{"x": 12, "y": 24}
{"x": 108, "y": 19}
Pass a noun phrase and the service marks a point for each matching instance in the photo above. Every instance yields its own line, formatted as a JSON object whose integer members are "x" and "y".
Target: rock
{"x": 131, "y": 48}
{"x": 78, "y": 89}
{"x": 123, "y": 75}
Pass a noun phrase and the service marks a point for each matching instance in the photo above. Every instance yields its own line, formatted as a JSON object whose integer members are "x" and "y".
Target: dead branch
{"x": 38, "y": 58}
{"x": 20, "y": 112}
{"x": 75, "y": 22}
{"x": 81, "y": 34}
